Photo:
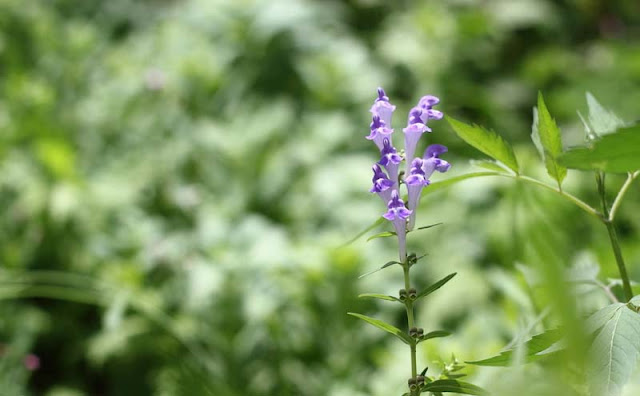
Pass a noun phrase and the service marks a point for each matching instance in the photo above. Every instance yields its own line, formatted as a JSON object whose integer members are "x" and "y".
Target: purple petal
{"x": 434, "y": 150}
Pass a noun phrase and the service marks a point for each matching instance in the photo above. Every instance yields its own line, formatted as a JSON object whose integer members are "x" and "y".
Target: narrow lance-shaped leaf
{"x": 486, "y": 141}
{"x": 404, "y": 337}
{"x": 440, "y": 185}
{"x": 435, "y": 286}
{"x": 379, "y": 296}
{"x": 532, "y": 348}
{"x": 434, "y": 334}
{"x": 546, "y": 136}
{"x": 614, "y": 353}
{"x": 617, "y": 152}
{"x": 454, "y": 386}
{"x": 389, "y": 264}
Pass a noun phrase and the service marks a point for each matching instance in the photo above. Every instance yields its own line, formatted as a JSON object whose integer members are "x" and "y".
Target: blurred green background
{"x": 177, "y": 179}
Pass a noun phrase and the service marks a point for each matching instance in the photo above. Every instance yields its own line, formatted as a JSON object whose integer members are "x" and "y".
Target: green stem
{"x": 621, "y": 193}
{"x": 410, "y": 319}
{"x": 577, "y": 201}
{"x": 613, "y": 238}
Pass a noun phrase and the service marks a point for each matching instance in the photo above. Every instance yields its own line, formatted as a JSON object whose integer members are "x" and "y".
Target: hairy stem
{"x": 613, "y": 238}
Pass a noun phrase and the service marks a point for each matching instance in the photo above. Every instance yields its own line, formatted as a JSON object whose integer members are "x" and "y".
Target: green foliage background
{"x": 177, "y": 179}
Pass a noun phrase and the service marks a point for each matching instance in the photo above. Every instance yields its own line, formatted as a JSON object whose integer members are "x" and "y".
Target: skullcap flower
{"x": 379, "y": 131}
{"x": 382, "y": 107}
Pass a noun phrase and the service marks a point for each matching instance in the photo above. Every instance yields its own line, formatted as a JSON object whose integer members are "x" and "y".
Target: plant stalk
{"x": 410, "y": 321}
{"x": 613, "y": 238}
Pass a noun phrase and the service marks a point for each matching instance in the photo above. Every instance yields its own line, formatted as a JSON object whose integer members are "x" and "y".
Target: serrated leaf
{"x": 614, "y": 353}
{"x": 435, "y": 286}
{"x": 486, "y": 141}
{"x": 546, "y": 135}
{"x": 490, "y": 165}
{"x": 404, "y": 337}
{"x": 434, "y": 334}
{"x": 388, "y": 264}
{"x": 379, "y": 296}
{"x": 384, "y": 234}
{"x": 617, "y": 152}
{"x": 532, "y": 349}
{"x": 601, "y": 120}
{"x": 454, "y": 386}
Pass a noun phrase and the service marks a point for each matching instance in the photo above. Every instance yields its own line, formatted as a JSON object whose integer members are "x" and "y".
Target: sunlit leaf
{"x": 486, "y": 141}
{"x": 546, "y": 135}
{"x": 531, "y": 350}
{"x": 601, "y": 120}
{"x": 437, "y": 186}
{"x": 617, "y": 152}
{"x": 490, "y": 165}
{"x": 614, "y": 352}
{"x": 386, "y": 327}
{"x": 435, "y": 286}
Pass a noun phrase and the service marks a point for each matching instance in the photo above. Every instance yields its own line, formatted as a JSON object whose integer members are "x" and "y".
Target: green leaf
{"x": 429, "y": 226}
{"x": 434, "y": 334}
{"x": 601, "y": 120}
{"x": 617, "y": 152}
{"x": 388, "y": 264}
{"x": 379, "y": 296}
{"x": 449, "y": 385}
{"x": 384, "y": 234}
{"x": 437, "y": 186}
{"x": 366, "y": 230}
{"x": 386, "y": 327}
{"x": 435, "y": 286}
{"x": 546, "y": 136}
{"x": 532, "y": 348}
{"x": 614, "y": 352}
{"x": 486, "y": 141}
{"x": 490, "y": 165}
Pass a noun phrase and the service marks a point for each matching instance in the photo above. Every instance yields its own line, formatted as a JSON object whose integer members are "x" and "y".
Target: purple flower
{"x": 432, "y": 162}
{"x": 415, "y": 182}
{"x": 390, "y": 159}
{"x": 398, "y": 214}
{"x": 383, "y": 108}
{"x": 379, "y": 131}
{"x": 413, "y": 131}
{"x": 381, "y": 184}
{"x": 426, "y": 103}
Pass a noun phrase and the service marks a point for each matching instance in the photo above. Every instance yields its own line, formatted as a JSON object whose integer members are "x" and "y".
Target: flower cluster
{"x": 387, "y": 184}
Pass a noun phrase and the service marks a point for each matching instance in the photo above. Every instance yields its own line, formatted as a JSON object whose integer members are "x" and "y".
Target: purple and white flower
{"x": 415, "y": 182}
{"x": 397, "y": 213}
{"x": 381, "y": 184}
{"x": 379, "y": 131}
{"x": 415, "y": 128}
{"x": 383, "y": 108}
{"x": 390, "y": 159}
{"x": 432, "y": 162}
